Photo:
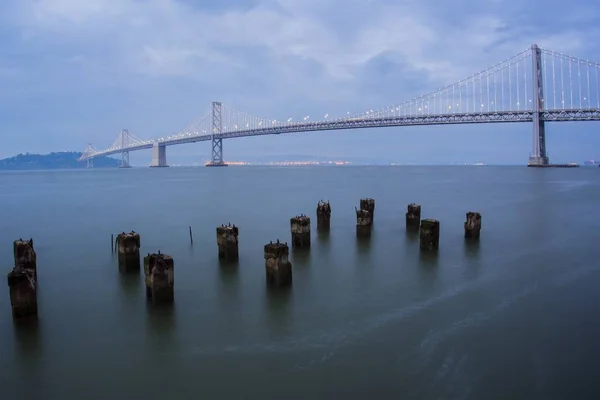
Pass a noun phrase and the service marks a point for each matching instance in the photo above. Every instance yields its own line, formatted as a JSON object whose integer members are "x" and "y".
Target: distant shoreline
{"x": 53, "y": 161}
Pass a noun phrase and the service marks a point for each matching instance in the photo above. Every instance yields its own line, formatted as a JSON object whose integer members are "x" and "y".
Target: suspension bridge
{"x": 534, "y": 86}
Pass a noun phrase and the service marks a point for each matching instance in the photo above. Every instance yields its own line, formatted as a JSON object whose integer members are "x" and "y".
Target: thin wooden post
{"x": 191, "y": 237}
{"x": 112, "y": 243}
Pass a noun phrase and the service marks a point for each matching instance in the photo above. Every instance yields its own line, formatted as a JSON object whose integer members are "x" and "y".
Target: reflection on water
{"x": 27, "y": 333}
{"x": 412, "y": 235}
{"x": 323, "y": 236}
{"x": 363, "y": 245}
{"x": 300, "y": 256}
{"x": 428, "y": 268}
{"x": 279, "y": 300}
{"x": 131, "y": 284}
{"x": 161, "y": 322}
{"x": 471, "y": 249}
{"x": 229, "y": 288}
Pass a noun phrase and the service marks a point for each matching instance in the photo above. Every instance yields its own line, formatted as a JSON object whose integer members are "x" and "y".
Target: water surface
{"x": 515, "y": 316}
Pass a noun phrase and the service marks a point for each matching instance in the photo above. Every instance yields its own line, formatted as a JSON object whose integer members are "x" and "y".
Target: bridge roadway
{"x": 591, "y": 114}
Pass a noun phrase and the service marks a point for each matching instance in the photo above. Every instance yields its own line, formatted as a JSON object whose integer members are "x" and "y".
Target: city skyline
{"x": 78, "y": 72}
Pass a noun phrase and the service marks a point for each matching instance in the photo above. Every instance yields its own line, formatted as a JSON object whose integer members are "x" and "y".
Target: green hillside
{"x": 60, "y": 160}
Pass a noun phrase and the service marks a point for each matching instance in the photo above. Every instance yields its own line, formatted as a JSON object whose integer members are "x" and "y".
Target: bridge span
{"x": 534, "y": 86}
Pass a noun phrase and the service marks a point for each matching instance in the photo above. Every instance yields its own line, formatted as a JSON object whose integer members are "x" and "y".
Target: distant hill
{"x": 60, "y": 160}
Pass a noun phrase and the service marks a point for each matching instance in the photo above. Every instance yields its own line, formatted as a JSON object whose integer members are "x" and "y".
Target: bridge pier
{"x": 159, "y": 155}
{"x": 125, "y": 160}
{"x": 538, "y": 155}
{"x": 217, "y": 142}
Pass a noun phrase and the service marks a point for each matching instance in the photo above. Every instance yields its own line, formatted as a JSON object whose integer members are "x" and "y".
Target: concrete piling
{"x": 364, "y": 222}
{"x": 323, "y": 215}
{"x": 160, "y": 279}
{"x": 473, "y": 225}
{"x": 23, "y": 292}
{"x": 413, "y": 216}
{"x": 25, "y": 256}
{"x": 277, "y": 265}
{"x": 429, "y": 234}
{"x": 128, "y": 247}
{"x": 300, "y": 227}
{"x": 227, "y": 241}
{"x": 369, "y": 205}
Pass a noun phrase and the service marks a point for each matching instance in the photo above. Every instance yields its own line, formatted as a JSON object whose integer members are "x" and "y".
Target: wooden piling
{"x": 191, "y": 237}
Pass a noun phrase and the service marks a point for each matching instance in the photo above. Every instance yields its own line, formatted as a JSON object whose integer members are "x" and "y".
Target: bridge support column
{"x": 159, "y": 155}
{"x": 538, "y": 154}
{"x": 89, "y": 163}
{"x": 125, "y": 160}
{"x": 216, "y": 140}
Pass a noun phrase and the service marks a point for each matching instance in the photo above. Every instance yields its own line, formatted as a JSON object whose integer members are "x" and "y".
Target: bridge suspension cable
{"x": 568, "y": 89}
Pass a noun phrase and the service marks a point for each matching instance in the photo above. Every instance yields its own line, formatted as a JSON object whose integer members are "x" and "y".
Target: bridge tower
{"x": 217, "y": 142}
{"x": 538, "y": 154}
{"x": 124, "y": 145}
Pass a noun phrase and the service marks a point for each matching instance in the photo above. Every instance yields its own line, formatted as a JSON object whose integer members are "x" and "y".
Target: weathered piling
{"x": 128, "y": 246}
{"x": 364, "y": 222}
{"x": 413, "y": 216}
{"x": 160, "y": 279}
{"x": 227, "y": 241}
{"x": 473, "y": 225}
{"x": 369, "y": 205}
{"x": 277, "y": 265}
{"x": 300, "y": 227}
{"x": 23, "y": 292}
{"x": 323, "y": 215}
{"x": 429, "y": 234}
{"x": 25, "y": 256}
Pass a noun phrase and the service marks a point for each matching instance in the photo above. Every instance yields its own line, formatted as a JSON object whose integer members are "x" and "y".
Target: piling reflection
{"x": 300, "y": 256}
{"x": 161, "y": 321}
{"x": 363, "y": 245}
{"x": 471, "y": 250}
{"x": 428, "y": 269}
{"x": 323, "y": 236}
{"x": 131, "y": 285}
{"x": 229, "y": 287}
{"x": 27, "y": 333}
{"x": 279, "y": 311}
{"x": 412, "y": 235}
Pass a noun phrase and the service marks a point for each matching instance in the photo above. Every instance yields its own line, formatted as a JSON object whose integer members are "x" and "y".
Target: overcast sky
{"x": 78, "y": 71}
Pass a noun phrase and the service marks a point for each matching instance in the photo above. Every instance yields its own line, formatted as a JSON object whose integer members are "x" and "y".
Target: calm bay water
{"x": 515, "y": 317}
